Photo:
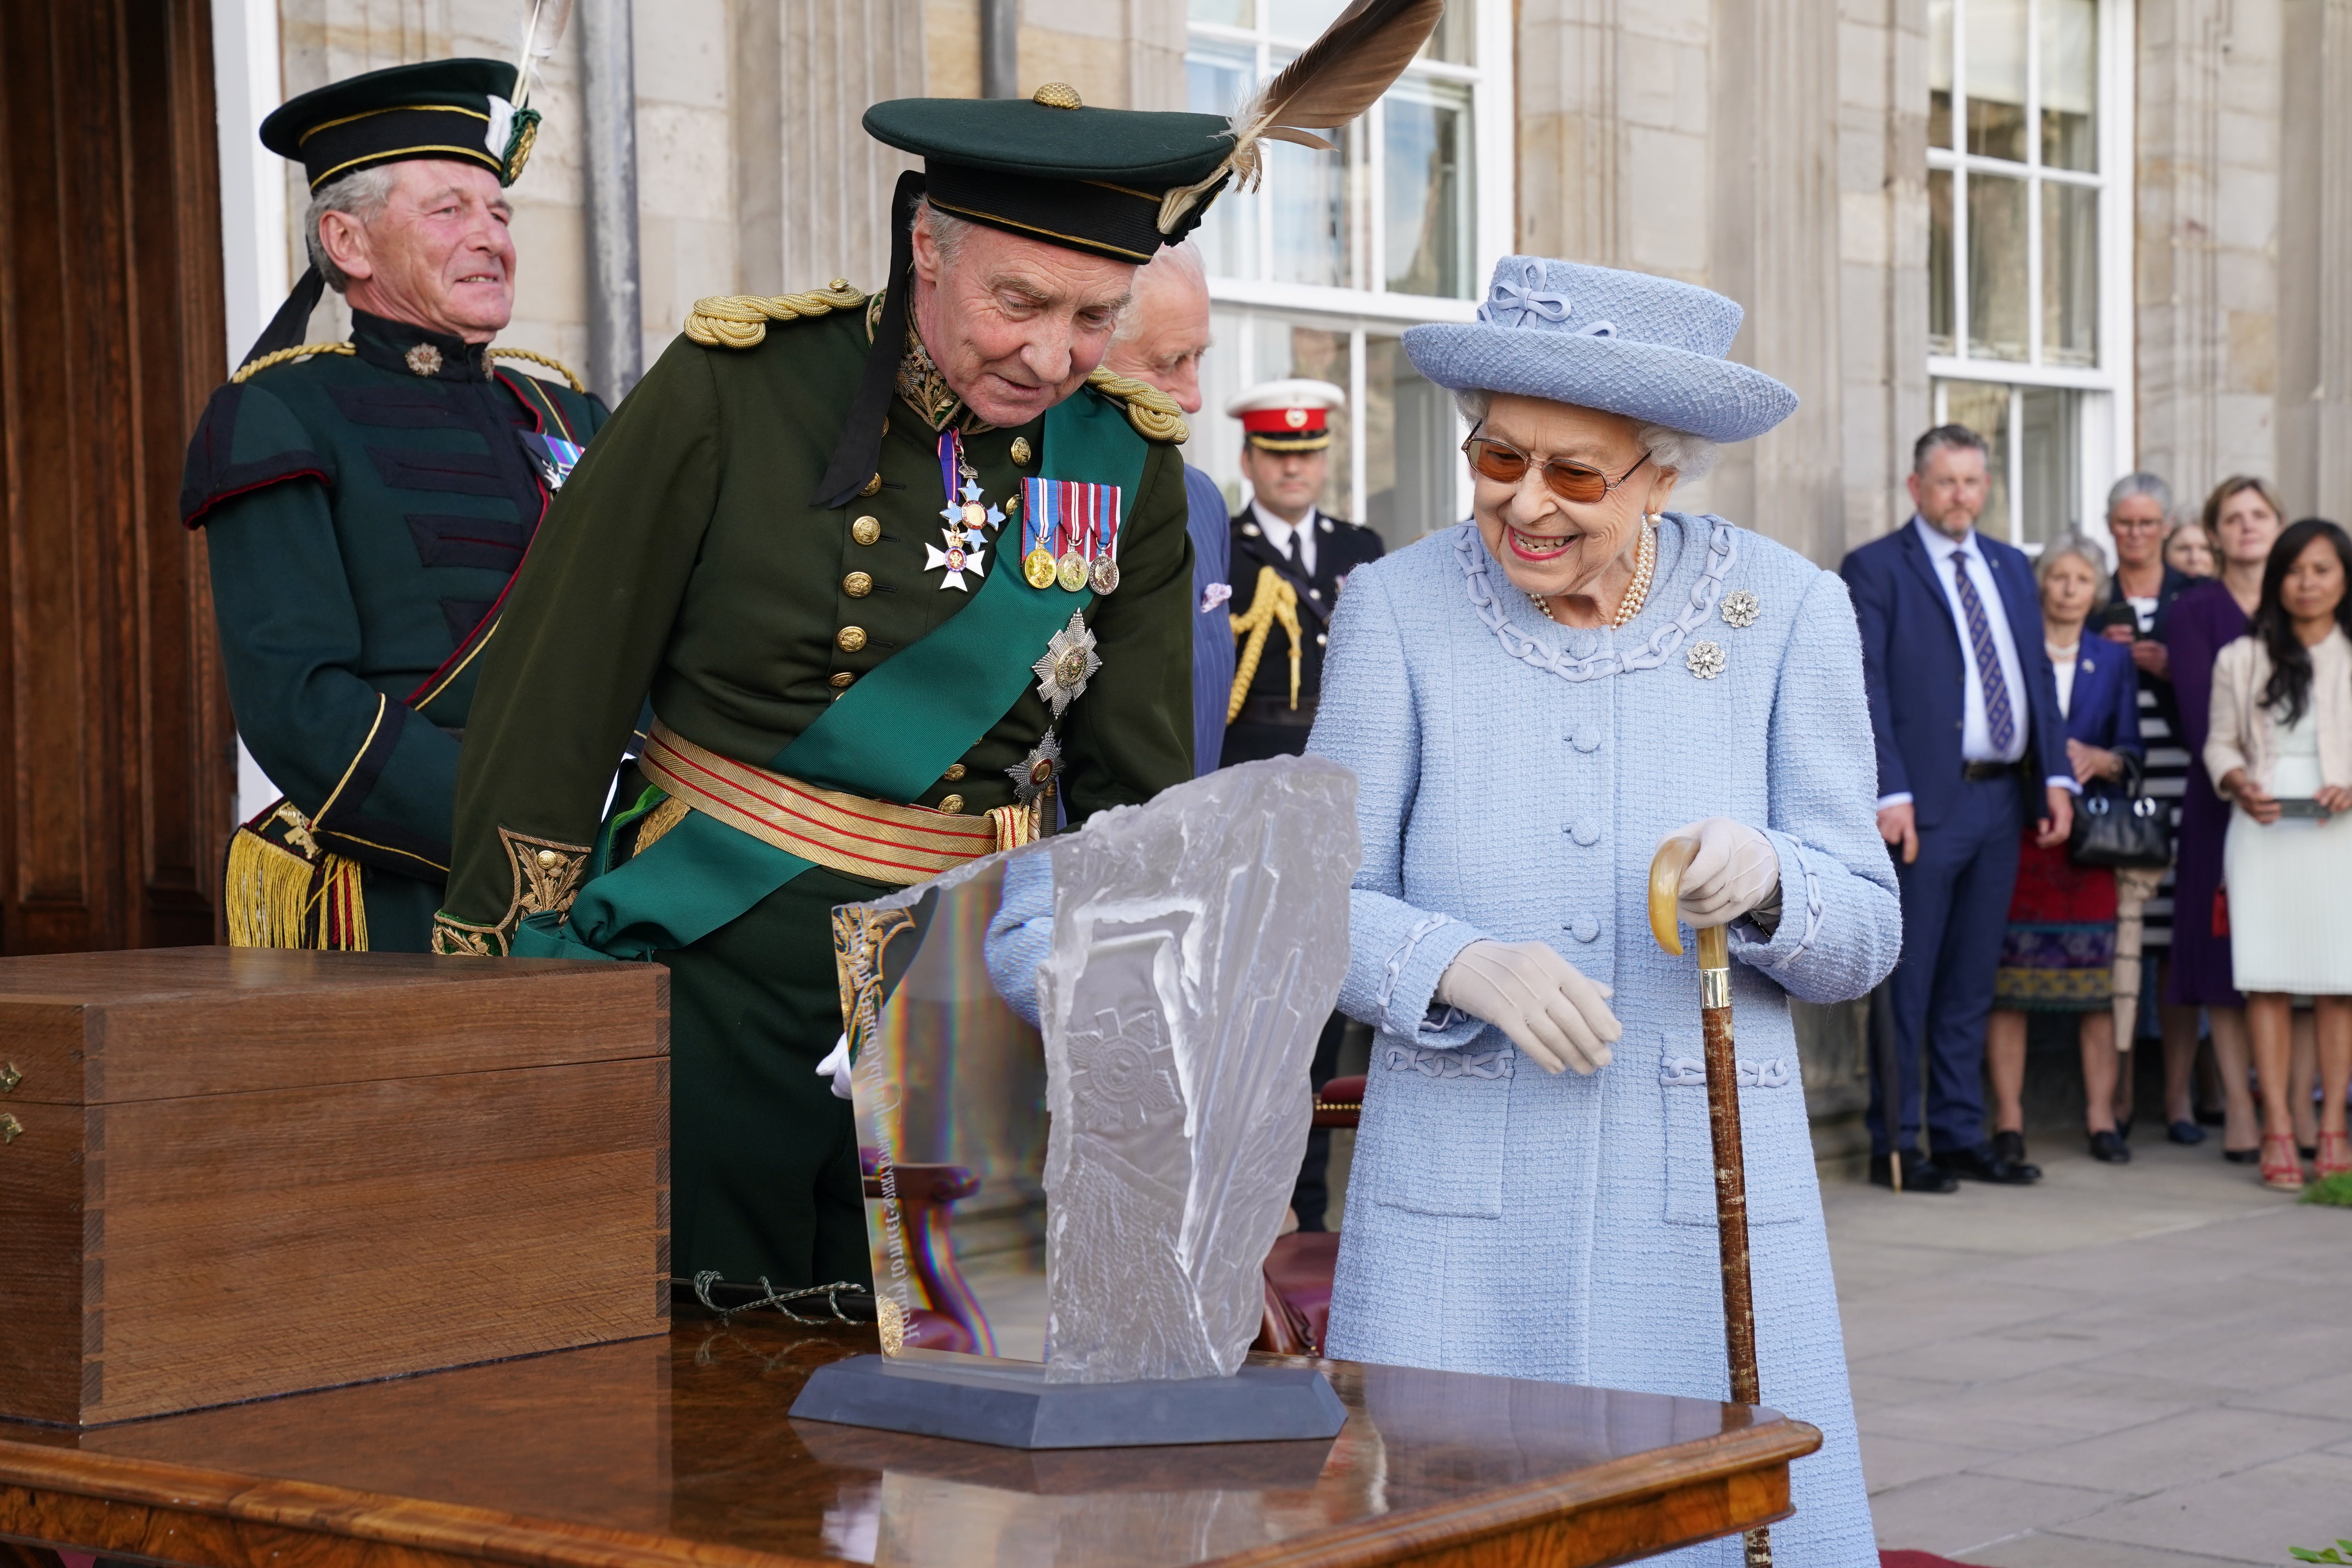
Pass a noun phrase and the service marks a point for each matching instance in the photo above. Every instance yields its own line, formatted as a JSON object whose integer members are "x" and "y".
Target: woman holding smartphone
{"x": 2280, "y": 748}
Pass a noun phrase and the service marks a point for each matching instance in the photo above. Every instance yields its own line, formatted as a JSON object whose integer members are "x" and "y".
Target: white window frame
{"x": 1370, "y": 307}
{"x": 2107, "y": 439}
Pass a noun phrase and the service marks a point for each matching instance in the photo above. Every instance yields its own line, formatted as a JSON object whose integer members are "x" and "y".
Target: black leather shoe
{"x": 1918, "y": 1176}
{"x": 2009, "y": 1146}
{"x": 1985, "y": 1166}
{"x": 2185, "y": 1132}
{"x": 2109, "y": 1148}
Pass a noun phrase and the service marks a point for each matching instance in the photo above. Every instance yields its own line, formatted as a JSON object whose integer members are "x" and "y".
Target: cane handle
{"x": 1666, "y": 869}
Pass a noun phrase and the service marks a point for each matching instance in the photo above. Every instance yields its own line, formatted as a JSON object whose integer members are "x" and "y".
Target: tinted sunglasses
{"x": 1506, "y": 464}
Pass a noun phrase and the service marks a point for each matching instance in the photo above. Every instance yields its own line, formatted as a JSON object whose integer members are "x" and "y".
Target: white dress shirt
{"x": 1945, "y": 553}
{"x": 1279, "y": 532}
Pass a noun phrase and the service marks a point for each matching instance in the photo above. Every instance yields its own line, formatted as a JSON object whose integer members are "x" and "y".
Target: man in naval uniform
{"x": 1290, "y": 562}
{"x": 895, "y": 571}
{"x": 366, "y": 502}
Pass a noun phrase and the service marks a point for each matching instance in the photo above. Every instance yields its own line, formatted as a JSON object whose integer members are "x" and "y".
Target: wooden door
{"x": 116, "y": 752}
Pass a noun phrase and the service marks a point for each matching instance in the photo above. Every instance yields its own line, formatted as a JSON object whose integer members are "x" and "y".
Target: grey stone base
{"x": 1011, "y": 1405}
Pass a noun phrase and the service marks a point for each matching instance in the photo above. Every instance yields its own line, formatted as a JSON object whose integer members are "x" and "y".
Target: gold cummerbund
{"x": 900, "y": 845}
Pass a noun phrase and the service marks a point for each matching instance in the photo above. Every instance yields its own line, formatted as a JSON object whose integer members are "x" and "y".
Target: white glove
{"x": 1735, "y": 870}
{"x": 1536, "y": 997}
{"x": 836, "y": 1068}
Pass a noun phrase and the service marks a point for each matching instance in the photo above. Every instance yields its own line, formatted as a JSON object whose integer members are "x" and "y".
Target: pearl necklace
{"x": 1637, "y": 592}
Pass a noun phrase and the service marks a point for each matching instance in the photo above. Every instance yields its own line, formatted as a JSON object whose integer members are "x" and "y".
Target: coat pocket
{"x": 1776, "y": 1138}
{"x": 1434, "y": 1131}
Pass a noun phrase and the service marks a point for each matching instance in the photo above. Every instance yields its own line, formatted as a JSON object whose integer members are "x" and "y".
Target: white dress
{"x": 2291, "y": 884}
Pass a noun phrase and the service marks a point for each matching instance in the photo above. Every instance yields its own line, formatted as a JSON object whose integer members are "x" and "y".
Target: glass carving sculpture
{"x": 1080, "y": 1076}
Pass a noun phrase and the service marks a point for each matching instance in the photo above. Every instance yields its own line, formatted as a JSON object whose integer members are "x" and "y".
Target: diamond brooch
{"x": 1741, "y": 608}
{"x": 1705, "y": 659}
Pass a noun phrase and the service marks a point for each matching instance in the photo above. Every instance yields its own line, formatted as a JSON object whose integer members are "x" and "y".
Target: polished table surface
{"x": 679, "y": 1451}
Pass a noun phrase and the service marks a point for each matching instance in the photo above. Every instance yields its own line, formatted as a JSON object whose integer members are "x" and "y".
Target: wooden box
{"x": 230, "y": 1172}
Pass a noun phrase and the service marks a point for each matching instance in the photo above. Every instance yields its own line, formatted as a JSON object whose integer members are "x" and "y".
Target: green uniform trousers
{"x": 764, "y": 1181}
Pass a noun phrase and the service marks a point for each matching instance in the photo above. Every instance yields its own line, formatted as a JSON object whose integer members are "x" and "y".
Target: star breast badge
{"x": 1069, "y": 662}
{"x": 962, "y": 554}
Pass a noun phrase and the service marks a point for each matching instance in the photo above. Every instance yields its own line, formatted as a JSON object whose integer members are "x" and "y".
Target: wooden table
{"x": 678, "y": 1451}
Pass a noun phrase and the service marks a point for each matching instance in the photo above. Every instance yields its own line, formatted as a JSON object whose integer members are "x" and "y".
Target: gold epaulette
{"x": 557, "y": 366}
{"x": 740, "y": 320}
{"x": 282, "y": 356}
{"x": 1152, "y": 412}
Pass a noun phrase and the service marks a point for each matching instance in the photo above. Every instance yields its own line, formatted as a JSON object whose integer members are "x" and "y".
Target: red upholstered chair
{"x": 1298, "y": 1267}
{"x": 926, "y": 1196}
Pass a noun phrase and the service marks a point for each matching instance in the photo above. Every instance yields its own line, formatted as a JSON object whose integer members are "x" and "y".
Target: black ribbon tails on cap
{"x": 291, "y": 325}
{"x": 854, "y": 455}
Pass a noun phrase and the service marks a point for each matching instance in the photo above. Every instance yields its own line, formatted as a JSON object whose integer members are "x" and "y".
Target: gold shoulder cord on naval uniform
{"x": 304, "y": 351}
{"x": 1274, "y": 600}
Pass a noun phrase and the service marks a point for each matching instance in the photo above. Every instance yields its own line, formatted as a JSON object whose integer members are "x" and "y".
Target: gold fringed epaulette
{"x": 1152, "y": 412}
{"x": 740, "y": 320}
{"x": 282, "y": 356}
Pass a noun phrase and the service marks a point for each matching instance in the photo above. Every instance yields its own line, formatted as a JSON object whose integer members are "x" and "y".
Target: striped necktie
{"x": 2001, "y": 722}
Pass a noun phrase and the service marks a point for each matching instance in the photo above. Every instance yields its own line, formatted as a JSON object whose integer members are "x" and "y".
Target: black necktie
{"x": 1290, "y": 552}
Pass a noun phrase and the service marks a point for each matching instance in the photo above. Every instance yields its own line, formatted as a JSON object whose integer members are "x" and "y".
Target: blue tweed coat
{"x": 1516, "y": 777}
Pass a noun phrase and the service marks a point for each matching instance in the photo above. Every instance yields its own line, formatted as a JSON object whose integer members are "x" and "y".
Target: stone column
{"x": 812, "y": 190}
{"x": 1777, "y": 251}
{"x": 2314, "y": 375}
{"x": 2208, "y": 208}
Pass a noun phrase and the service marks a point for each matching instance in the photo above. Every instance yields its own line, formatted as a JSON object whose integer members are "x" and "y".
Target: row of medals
{"x": 1074, "y": 569}
{"x": 1071, "y": 570}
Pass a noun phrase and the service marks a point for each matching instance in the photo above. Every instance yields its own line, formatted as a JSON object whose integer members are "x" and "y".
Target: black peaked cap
{"x": 438, "y": 109}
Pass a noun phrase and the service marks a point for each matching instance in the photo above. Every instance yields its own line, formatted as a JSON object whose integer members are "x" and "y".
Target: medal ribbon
{"x": 951, "y": 470}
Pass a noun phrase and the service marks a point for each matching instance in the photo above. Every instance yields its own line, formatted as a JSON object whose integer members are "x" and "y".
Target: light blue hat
{"x": 1626, "y": 343}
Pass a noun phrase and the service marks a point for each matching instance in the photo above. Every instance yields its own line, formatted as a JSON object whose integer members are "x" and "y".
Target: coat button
{"x": 1585, "y": 831}
{"x": 841, "y": 678}
{"x": 1321, "y": 640}
{"x": 866, "y": 530}
{"x": 952, "y": 803}
{"x": 873, "y": 485}
{"x": 849, "y": 639}
{"x": 1585, "y": 928}
{"x": 955, "y": 771}
{"x": 1585, "y": 738}
{"x": 857, "y": 584}
{"x": 1021, "y": 451}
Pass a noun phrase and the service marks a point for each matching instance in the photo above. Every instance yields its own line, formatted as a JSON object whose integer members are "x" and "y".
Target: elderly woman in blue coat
{"x": 1533, "y": 701}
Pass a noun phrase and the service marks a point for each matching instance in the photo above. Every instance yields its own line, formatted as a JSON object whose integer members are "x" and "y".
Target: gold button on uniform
{"x": 952, "y": 803}
{"x": 857, "y": 584}
{"x": 955, "y": 771}
{"x": 849, "y": 639}
{"x": 1021, "y": 453}
{"x": 866, "y": 530}
{"x": 873, "y": 485}
{"x": 842, "y": 678}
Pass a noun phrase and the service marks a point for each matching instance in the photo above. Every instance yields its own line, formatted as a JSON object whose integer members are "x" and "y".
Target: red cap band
{"x": 1282, "y": 421}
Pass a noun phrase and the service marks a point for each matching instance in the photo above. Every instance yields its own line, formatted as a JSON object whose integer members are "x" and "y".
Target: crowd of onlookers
{"x": 2209, "y": 673}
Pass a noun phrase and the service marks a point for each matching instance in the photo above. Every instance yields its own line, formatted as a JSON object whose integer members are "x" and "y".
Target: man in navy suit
{"x": 1972, "y": 742}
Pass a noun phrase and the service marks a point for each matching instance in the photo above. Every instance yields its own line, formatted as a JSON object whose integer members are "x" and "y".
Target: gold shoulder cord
{"x": 1274, "y": 601}
{"x": 557, "y": 366}
{"x": 740, "y": 320}
{"x": 243, "y": 371}
{"x": 1152, "y": 412}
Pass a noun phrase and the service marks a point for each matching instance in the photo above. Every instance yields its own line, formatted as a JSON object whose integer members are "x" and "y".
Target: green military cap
{"x": 460, "y": 110}
{"x": 1047, "y": 167}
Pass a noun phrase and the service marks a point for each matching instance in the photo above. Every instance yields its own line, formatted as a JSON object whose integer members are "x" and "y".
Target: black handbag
{"x": 2118, "y": 826}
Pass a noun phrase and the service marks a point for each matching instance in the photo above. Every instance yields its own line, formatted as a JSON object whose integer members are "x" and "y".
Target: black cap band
{"x": 1100, "y": 218}
{"x": 344, "y": 146}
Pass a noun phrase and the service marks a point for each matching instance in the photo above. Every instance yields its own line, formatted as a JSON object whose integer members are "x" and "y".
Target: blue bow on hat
{"x": 1625, "y": 343}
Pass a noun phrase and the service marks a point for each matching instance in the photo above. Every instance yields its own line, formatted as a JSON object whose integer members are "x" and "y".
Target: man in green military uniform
{"x": 895, "y": 571}
{"x": 367, "y": 502}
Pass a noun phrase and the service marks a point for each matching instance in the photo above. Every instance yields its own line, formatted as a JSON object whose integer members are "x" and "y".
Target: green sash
{"x": 890, "y": 736}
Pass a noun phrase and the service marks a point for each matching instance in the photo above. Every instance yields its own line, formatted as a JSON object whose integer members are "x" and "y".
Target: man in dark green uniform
{"x": 367, "y": 502}
{"x": 894, "y": 572}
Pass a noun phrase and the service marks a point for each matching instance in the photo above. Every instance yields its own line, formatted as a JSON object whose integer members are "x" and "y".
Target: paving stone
{"x": 1955, "y": 1513}
{"x": 1890, "y": 1461}
{"x": 2255, "y": 1514}
{"x": 2046, "y": 1548}
{"x": 2195, "y": 1446}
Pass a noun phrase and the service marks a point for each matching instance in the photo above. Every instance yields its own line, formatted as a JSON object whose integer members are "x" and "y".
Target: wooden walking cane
{"x": 1673, "y": 857}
